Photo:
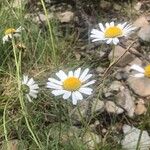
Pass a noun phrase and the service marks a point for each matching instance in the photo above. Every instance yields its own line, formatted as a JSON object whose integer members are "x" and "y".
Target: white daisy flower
{"x": 141, "y": 71}
{"x": 73, "y": 84}
{"x": 111, "y": 32}
{"x": 11, "y": 32}
{"x": 29, "y": 88}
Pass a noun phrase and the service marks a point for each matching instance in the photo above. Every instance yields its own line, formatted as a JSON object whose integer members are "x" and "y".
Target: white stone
{"x": 112, "y": 108}
{"x": 126, "y": 101}
{"x": 65, "y": 17}
{"x": 97, "y": 106}
{"x": 144, "y": 33}
{"x": 131, "y": 137}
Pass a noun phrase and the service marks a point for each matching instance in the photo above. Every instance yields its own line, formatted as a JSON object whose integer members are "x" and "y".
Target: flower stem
{"x": 113, "y": 54}
{"x": 24, "y": 112}
{"x": 54, "y": 56}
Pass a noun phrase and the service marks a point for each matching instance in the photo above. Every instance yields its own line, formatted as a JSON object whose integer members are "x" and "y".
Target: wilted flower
{"x": 141, "y": 71}
{"x": 29, "y": 88}
{"x": 11, "y": 32}
{"x": 111, "y": 32}
{"x": 72, "y": 85}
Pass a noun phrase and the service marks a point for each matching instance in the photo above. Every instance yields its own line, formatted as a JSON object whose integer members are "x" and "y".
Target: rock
{"x": 126, "y": 101}
{"x": 43, "y": 17}
{"x": 141, "y": 86}
{"x": 115, "y": 86}
{"x": 138, "y": 6}
{"x": 140, "y": 22}
{"x": 126, "y": 59}
{"x": 40, "y": 17}
{"x": 136, "y": 61}
{"x": 140, "y": 108}
{"x": 77, "y": 55}
{"x": 144, "y": 33}
{"x": 80, "y": 112}
{"x": 94, "y": 125}
{"x": 97, "y": 106}
{"x": 117, "y": 6}
{"x": 121, "y": 75}
{"x": 65, "y": 17}
{"x": 131, "y": 137}
{"x": 70, "y": 134}
{"x": 108, "y": 94}
{"x": 100, "y": 70}
{"x": 13, "y": 145}
{"x": 91, "y": 140}
{"x": 112, "y": 108}
{"x": 105, "y": 5}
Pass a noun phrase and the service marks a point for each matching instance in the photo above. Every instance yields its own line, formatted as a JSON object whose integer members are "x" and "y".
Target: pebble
{"x": 140, "y": 86}
{"x": 131, "y": 137}
{"x": 111, "y": 107}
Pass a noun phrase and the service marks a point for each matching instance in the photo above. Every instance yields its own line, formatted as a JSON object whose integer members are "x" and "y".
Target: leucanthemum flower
{"x": 73, "y": 84}
{"x": 141, "y": 71}
{"x": 29, "y": 88}
{"x": 11, "y": 32}
{"x": 111, "y": 32}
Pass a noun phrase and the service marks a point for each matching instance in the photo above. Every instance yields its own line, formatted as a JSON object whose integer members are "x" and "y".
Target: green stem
{"x": 113, "y": 53}
{"x": 24, "y": 112}
{"x": 54, "y": 58}
{"x": 4, "y": 125}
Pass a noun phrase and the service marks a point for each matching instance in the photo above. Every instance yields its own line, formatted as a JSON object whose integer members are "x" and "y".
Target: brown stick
{"x": 115, "y": 62}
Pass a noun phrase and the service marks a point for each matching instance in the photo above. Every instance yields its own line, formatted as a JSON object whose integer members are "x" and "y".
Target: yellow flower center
{"x": 147, "y": 71}
{"x": 10, "y": 31}
{"x": 71, "y": 84}
{"x": 112, "y": 32}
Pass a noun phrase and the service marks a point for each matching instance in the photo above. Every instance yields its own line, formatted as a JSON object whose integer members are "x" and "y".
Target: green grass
{"x": 45, "y": 124}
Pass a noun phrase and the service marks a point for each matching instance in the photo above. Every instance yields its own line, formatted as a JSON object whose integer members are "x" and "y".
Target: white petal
{"x": 61, "y": 75}
{"x": 34, "y": 91}
{"x": 58, "y": 92}
{"x": 95, "y": 40}
{"x": 96, "y": 32}
{"x": 30, "y": 82}
{"x": 112, "y": 24}
{"x": 83, "y": 75}
{"x": 16, "y": 35}
{"x": 115, "y": 41}
{"x": 78, "y": 95}
{"x": 109, "y": 41}
{"x": 53, "y": 86}
{"x": 66, "y": 95}
{"x": 20, "y": 29}
{"x": 101, "y": 27}
{"x": 95, "y": 36}
{"x": 5, "y": 39}
{"x": 34, "y": 87}
{"x": 77, "y": 72}
{"x": 107, "y": 25}
{"x": 74, "y": 99}
{"x": 137, "y": 68}
{"x": 87, "y": 77}
{"x": 87, "y": 91}
{"x": 124, "y": 24}
{"x": 34, "y": 95}
{"x": 120, "y": 26}
{"x": 29, "y": 98}
{"x": 70, "y": 74}
{"x": 89, "y": 83}
{"x": 25, "y": 79}
{"x": 138, "y": 75}
{"x": 55, "y": 81}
